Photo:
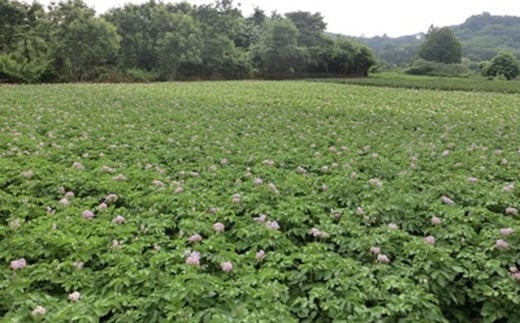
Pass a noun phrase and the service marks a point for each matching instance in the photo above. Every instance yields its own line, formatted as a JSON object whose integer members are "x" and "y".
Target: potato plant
{"x": 258, "y": 201}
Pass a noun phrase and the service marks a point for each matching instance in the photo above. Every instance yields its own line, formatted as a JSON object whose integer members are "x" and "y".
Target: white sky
{"x": 365, "y": 17}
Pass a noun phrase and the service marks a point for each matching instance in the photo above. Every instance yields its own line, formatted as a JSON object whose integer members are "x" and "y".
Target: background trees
{"x": 441, "y": 46}
{"x": 504, "y": 64}
{"x": 68, "y": 42}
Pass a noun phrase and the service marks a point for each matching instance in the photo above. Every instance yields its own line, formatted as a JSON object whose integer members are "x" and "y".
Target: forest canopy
{"x": 69, "y": 42}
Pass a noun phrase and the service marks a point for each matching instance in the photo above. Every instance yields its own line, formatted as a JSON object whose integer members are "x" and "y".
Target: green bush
{"x": 12, "y": 71}
{"x": 424, "y": 67}
{"x": 504, "y": 64}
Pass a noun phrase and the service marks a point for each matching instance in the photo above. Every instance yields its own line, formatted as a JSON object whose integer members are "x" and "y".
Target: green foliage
{"x": 504, "y": 64}
{"x": 337, "y": 165}
{"x": 441, "y": 45}
{"x": 278, "y": 49}
{"x": 401, "y": 80}
{"x": 424, "y": 67}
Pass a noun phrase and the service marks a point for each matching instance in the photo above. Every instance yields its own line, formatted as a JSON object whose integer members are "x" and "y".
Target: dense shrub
{"x": 423, "y": 67}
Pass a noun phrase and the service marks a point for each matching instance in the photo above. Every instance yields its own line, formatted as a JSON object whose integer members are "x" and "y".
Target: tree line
{"x": 69, "y": 42}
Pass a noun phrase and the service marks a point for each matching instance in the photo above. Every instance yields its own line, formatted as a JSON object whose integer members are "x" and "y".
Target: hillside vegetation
{"x": 482, "y": 37}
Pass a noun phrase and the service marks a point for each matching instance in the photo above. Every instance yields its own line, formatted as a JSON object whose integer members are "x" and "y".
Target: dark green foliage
{"x": 68, "y": 43}
{"x": 424, "y": 67}
{"x": 504, "y": 64}
{"x": 441, "y": 46}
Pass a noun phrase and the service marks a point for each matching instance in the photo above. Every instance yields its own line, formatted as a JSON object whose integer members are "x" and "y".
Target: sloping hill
{"x": 482, "y": 36}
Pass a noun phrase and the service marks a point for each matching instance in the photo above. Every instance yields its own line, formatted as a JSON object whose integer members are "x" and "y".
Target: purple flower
{"x": 119, "y": 219}
{"x": 446, "y": 200}
{"x": 226, "y": 266}
{"x": 436, "y": 220}
{"x": 261, "y": 218}
{"x": 223, "y": 162}
{"x": 260, "y": 255}
{"x": 102, "y": 206}
{"x": 375, "y": 250}
{"x": 18, "y": 264}
{"x": 268, "y": 162}
{"x": 74, "y": 297}
{"x": 511, "y": 211}
{"x": 111, "y": 198}
{"x": 193, "y": 259}
{"x": 218, "y": 227}
{"x": 236, "y": 198}
{"x": 273, "y": 225}
{"x": 376, "y": 182}
{"x": 69, "y": 195}
{"x": 430, "y": 240}
{"x": 383, "y": 259}
{"x": 178, "y": 190}
{"x": 273, "y": 188}
{"x": 119, "y": 178}
{"x": 393, "y": 226}
{"x": 501, "y": 244}
{"x": 195, "y": 238}
{"x": 158, "y": 183}
{"x": 64, "y": 202}
{"x": 473, "y": 180}
{"x": 39, "y": 310}
{"x": 516, "y": 276}
{"x": 258, "y": 181}
{"x": 508, "y": 188}
{"x": 87, "y": 214}
{"x": 506, "y": 231}
{"x": 77, "y": 165}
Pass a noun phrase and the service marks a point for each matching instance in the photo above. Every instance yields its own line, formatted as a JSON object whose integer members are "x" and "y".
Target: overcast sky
{"x": 367, "y": 17}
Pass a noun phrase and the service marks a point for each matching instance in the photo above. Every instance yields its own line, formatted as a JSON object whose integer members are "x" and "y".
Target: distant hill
{"x": 482, "y": 36}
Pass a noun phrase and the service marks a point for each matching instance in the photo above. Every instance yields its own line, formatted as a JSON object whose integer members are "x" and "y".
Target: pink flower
{"x": 508, "y": 188}
{"x": 119, "y": 219}
{"x": 273, "y": 225}
{"x": 158, "y": 183}
{"x": 375, "y": 250}
{"x": 236, "y": 198}
{"x": 111, "y": 198}
{"x": 102, "y": 206}
{"x": 69, "y": 195}
{"x": 446, "y": 200}
{"x": 28, "y": 174}
{"x": 317, "y": 233}
{"x": 501, "y": 244}
{"x": 360, "y": 211}
{"x": 473, "y": 180}
{"x": 218, "y": 227}
{"x": 383, "y": 259}
{"x": 223, "y": 162}
{"x": 194, "y": 174}
{"x": 268, "y": 162}
{"x": 445, "y": 153}
{"x": 430, "y": 240}
{"x": 516, "y": 276}
{"x": 39, "y": 310}
{"x": 506, "y": 231}
{"x": 193, "y": 258}
{"x": 258, "y": 181}
{"x": 261, "y": 218}
{"x": 88, "y": 214}
{"x": 393, "y": 226}
{"x": 64, "y": 202}
{"x": 119, "y": 178}
{"x": 260, "y": 255}
{"x": 178, "y": 190}
{"x": 116, "y": 244}
{"x": 273, "y": 188}
{"x": 77, "y": 165}
{"x": 513, "y": 269}
{"x": 15, "y": 224}
{"x": 325, "y": 169}
{"x": 74, "y": 297}
{"x": 226, "y": 266}
{"x": 18, "y": 264}
{"x": 436, "y": 220}
{"x": 376, "y": 182}
{"x": 195, "y": 238}
{"x": 301, "y": 170}
{"x": 511, "y": 211}
{"x": 106, "y": 169}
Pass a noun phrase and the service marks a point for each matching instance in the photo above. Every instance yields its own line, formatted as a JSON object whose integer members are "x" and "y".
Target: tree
{"x": 442, "y": 46}
{"x": 310, "y": 26}
{"x": 504, "y": 64}
{"x": 179, "y": 46}
{"x": 278, "y": 49}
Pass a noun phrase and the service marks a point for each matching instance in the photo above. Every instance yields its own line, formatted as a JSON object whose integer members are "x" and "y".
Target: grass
{"x": 401, "y": 80}
{"x": 331, "y": 166}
